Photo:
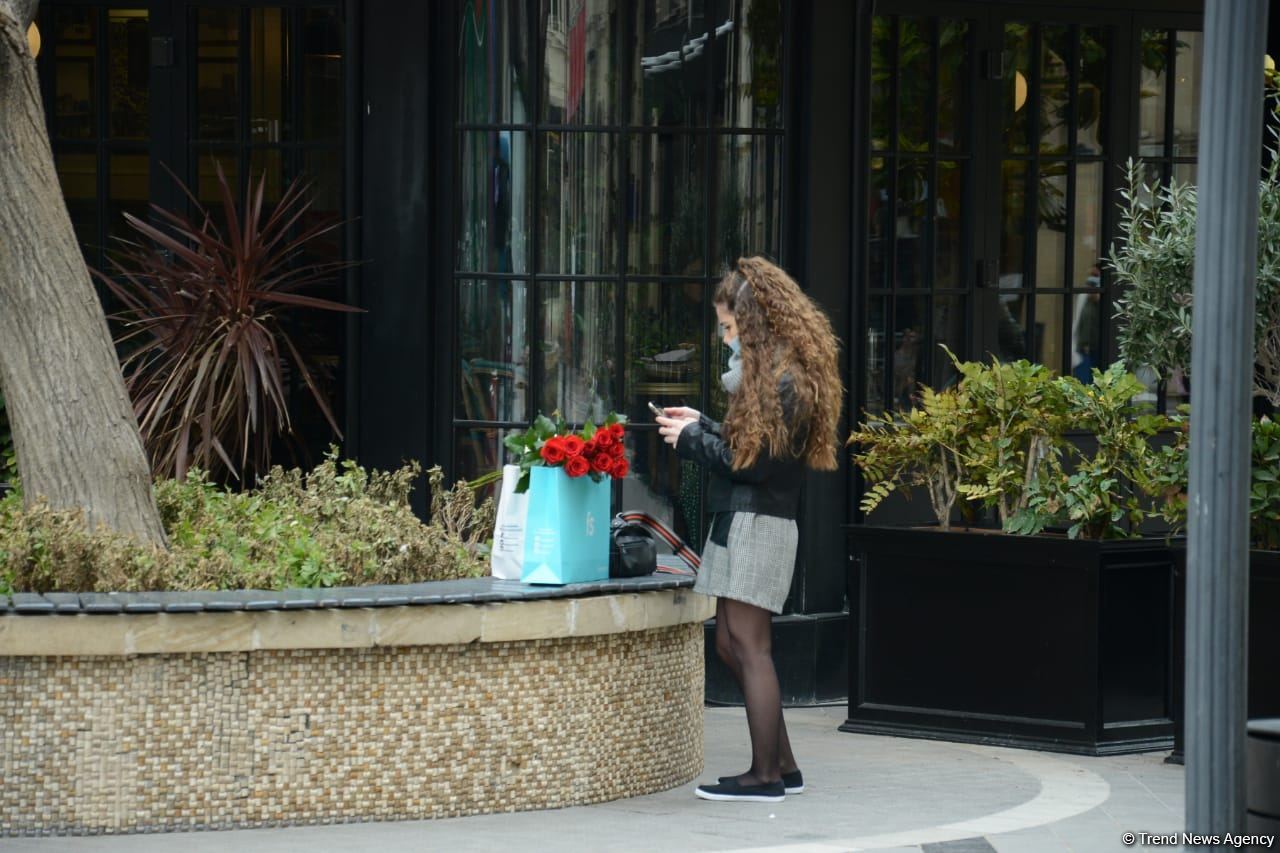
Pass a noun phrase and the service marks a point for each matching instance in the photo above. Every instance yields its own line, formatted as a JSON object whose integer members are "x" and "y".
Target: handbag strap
{"x": 678, "y": 546}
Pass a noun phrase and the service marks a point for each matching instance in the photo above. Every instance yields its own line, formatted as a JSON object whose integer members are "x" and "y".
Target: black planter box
{"x": 1264, "y": 639}
{"x": 1025, "y": 641}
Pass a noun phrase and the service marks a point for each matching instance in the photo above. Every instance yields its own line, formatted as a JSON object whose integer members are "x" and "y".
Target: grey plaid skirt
{"x": 757, "y": 565}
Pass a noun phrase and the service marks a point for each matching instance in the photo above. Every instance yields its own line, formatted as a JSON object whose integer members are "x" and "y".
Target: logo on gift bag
{"x": 545, "y": 541}
{"x": 591, "y": 525}
{"x": 510, "y": 538}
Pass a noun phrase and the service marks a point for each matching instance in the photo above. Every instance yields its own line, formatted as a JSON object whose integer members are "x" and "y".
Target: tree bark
{"x": 73, "y": 426}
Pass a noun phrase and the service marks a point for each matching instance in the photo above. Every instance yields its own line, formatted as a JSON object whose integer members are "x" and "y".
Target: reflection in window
{"x": 748, "y": 68}
{"x": 493, "y": 346}
{"x": 663, "y": 327}
{"x": 578, "y": 203}
{"x": 750, "y": 207}
{"x": 577, "y": 353}
{"x": 493, "y": 63}
{"x": 494, "y": 216}
{"x": 669, "y": 70}
{"x": 580, "y": 73}
{"x": 667, "y": 196}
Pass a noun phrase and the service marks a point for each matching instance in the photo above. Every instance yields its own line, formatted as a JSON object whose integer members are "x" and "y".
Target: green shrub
{"x": 1103, "y": 495}
{"x": 1172, "y": 475}
{"x": 337, "y": 525}
{"x": 998, "y": 439}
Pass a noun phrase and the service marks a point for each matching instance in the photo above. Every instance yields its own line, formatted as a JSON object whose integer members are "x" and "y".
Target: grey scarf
{"x": 733, "y": 378}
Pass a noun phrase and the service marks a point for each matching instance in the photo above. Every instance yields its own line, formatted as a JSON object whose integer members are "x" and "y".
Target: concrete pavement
{"x": 864, "y": 792}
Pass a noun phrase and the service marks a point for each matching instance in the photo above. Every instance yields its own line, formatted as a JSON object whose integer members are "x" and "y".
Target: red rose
{"x": 620, "y": 468}
{"x": 576, "y": 466}
{"x": 605, "y": 439}
{"x": 553, "y": 451}
{"x": 601, "y": 462}
{"x": 618, "y": 450}
{"x": 616, "y": 429}
{"x": 572, "y": 446}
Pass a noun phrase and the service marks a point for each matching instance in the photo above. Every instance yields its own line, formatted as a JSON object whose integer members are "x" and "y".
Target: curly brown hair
{"x": 783, "y": 332}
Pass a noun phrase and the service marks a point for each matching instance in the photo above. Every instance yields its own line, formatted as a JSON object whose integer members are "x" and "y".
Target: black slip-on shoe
{"x": 731, "y": 791}
{"x": 793, "y": 782}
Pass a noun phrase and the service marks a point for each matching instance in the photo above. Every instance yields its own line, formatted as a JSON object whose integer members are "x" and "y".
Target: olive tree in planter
{"x": 1155, "y": 329}
{"x": 1153, "y": 263}
{"x": 1050, "y": 640}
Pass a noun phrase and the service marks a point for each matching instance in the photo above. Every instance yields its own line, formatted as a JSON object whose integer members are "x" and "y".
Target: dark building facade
{"x": 543, "y": 194}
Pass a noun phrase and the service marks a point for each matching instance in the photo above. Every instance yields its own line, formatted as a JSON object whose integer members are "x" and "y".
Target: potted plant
{"x": 1154, "y": 263}
{"x": 1047, "y": 632}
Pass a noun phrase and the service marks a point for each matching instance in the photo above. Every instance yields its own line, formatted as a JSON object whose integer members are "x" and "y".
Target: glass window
{"x": 493, "y": 344}
{"x": 129, "y": 74}
{"x": 667, "y": 225}
{"x": 1169, "y": 141}
{"x": 578, "y": 199}
{"x": 494, "y": 68}
{"x": 581, "y": 59}
{"x": 577, "y": 352}
{"x": 98, "y": 74}
{"x": 494, "y": 217}
{"x": 610, "y": 193}
{"x": 75, "y": 73}
{"x": 217, "y": 73}
{"x": 748, "y": 63}
{"x": 750, "y": 209}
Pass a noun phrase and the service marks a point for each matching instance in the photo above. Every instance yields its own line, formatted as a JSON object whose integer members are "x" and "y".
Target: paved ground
{"x": 864, "y": 793}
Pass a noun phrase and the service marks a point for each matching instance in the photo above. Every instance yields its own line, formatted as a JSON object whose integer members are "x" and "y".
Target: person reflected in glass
{"x": 785, "y": 395}
{"x": 1086, "y": 332}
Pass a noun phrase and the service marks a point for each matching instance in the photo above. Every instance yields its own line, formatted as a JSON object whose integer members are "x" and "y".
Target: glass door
{"x": 991, "y": 128}
{"x": 924, "y": 225}
{"x": 1050, "y": 138}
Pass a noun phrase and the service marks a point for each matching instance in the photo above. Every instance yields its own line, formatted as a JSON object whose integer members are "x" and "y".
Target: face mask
{"x": 1093, "y": 281}
{"x": 733, "y": 378}
{"x": 736, "y": 345}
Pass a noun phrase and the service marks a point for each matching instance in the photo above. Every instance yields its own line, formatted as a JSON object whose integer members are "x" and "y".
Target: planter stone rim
{"x": 419, "y": 594}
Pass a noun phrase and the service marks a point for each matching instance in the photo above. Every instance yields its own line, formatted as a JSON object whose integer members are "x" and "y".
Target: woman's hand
{"x": 682, "y": 412}
{"x": 670, "y": 428}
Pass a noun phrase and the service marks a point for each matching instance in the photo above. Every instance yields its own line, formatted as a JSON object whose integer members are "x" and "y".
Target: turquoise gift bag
{"x": 566, "y": 534}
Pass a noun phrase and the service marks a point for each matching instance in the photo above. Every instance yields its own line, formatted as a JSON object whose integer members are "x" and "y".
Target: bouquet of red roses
{"x": 594, "y": 451}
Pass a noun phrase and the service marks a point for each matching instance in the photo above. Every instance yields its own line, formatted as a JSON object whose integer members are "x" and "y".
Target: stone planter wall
{"x": 165, "y": 721}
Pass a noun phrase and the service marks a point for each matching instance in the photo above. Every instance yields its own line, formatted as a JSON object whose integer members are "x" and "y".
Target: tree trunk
{"x": 73, "y": 426}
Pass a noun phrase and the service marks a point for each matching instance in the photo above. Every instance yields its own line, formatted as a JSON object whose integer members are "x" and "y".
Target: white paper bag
{"x": 507, "y": 558}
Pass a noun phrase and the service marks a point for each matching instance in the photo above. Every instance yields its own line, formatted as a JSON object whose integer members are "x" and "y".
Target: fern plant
{"x": 981, "y": 441}
{"x": 920, "y": 447}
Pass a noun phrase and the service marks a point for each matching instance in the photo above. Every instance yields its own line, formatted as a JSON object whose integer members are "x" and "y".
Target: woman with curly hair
{"x": 785, "y": 396}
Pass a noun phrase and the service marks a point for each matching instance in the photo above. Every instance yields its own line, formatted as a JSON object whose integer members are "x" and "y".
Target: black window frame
{"x": 624, "y": 130}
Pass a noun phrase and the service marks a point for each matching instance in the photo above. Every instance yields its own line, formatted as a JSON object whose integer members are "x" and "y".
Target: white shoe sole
{"x": 799, "y": 790}
{"x": 738, "y": 798}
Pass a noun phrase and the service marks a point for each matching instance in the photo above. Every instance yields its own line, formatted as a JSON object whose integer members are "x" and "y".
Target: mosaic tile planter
{"x": 162, "y": 721}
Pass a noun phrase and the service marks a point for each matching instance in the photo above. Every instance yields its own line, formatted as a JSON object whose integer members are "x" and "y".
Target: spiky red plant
{"x": 202, "y": 339}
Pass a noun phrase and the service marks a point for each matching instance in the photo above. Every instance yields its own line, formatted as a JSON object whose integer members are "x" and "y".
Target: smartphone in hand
{"x": 656, "y": 409}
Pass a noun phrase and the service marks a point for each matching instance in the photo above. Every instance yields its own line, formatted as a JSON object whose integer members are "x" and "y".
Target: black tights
{"x": 744, "y": 641}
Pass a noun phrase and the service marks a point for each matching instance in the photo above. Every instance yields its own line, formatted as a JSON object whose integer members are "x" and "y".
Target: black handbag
{"x": 633, "y": 546}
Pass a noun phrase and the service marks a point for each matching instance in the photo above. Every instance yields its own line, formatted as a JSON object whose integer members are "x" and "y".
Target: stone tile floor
{"x": 864, "y": 792}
